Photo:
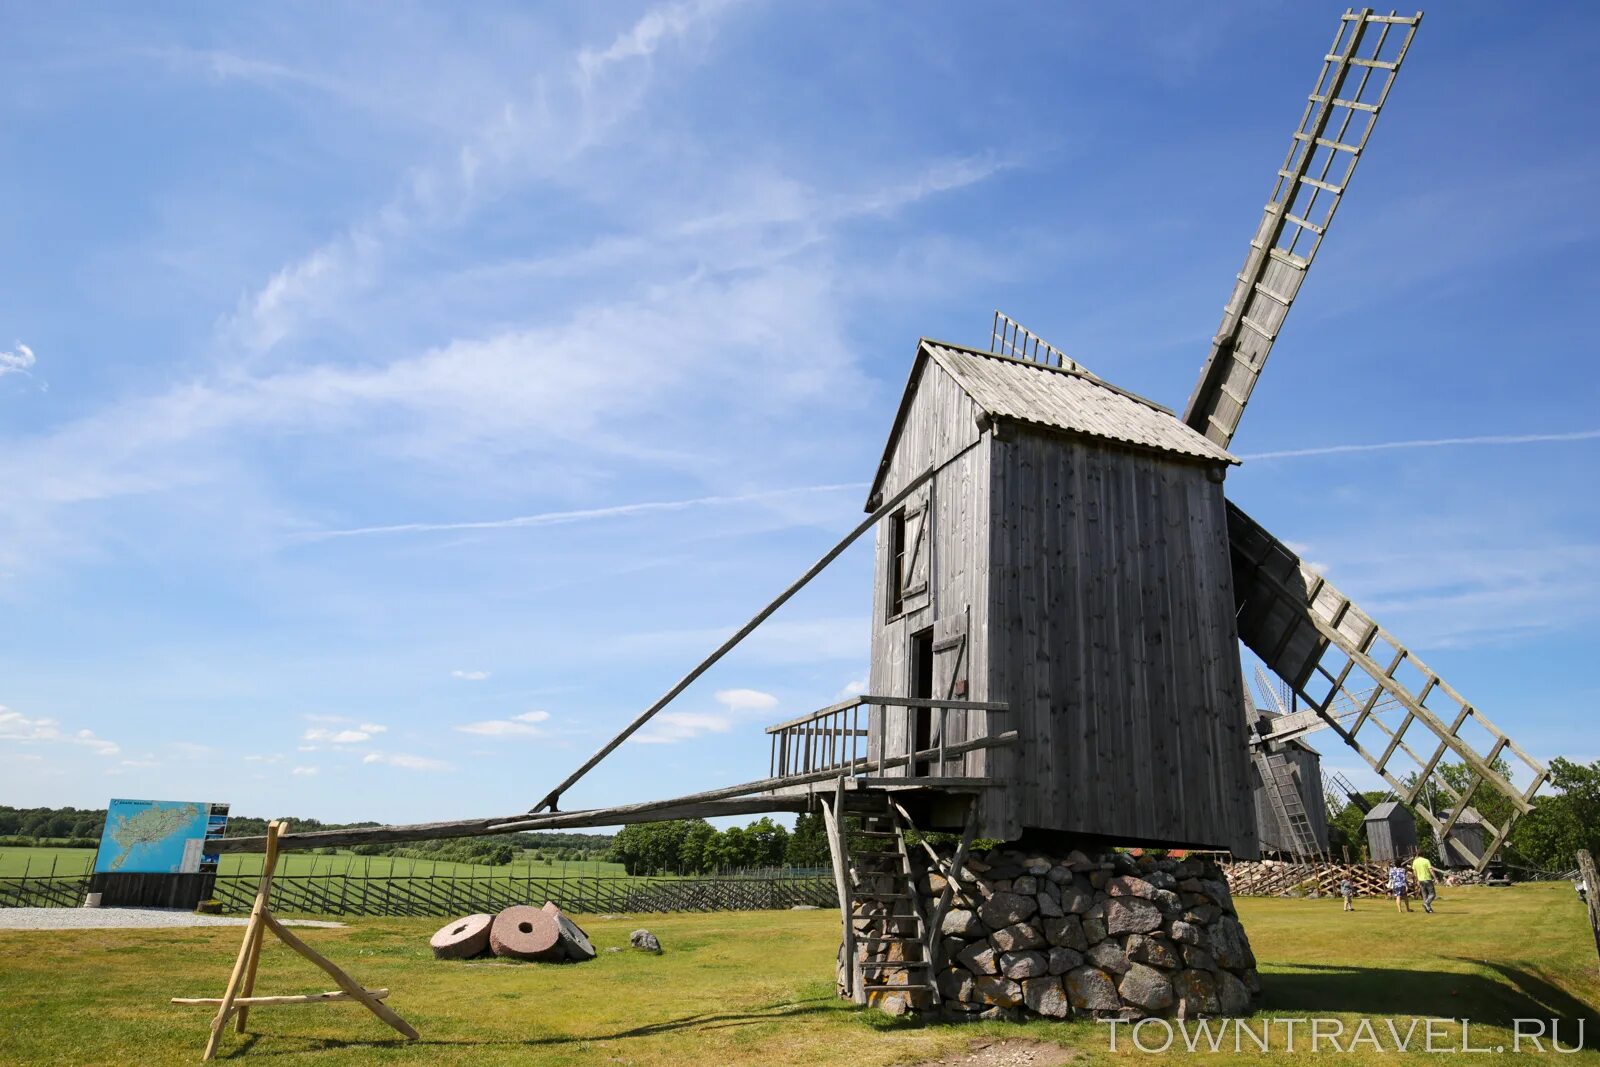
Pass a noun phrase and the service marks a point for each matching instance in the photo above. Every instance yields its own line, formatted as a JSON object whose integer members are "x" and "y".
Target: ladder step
{"x": 877, "y": 987}
{"x": 870, "y": 833}
{"x": 893, "y": 963}
{"x": 861, "y": 938}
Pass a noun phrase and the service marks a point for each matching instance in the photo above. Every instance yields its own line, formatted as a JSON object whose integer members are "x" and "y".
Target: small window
{"x": 897, "y": 563}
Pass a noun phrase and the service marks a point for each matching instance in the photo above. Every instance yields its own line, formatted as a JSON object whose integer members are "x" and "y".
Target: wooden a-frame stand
{"x": 241, "y": 985}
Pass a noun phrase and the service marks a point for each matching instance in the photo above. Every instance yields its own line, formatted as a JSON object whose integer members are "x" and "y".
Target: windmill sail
{"x": 1336, "y": 658}
{"x": 1357, "y": 73}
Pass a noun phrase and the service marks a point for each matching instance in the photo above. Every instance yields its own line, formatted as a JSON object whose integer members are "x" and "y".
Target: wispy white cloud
{"x": 17, "y": 360}
{"x": 350, "y": 736}
{"x": 556, "y": 518}
{"x": 524, "y": 725}
{"x": 1438, "y": 442}
{"x": 14, "y": 726}
{"x": 303, "y": 771}
{"x": 742, "y": 700}
{"x": 470, "y": 676}
{"x": 670, "y": 727}
{"x": 407, "y": 761}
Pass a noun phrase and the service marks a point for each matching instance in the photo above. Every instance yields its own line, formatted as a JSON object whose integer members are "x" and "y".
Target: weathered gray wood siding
{"x": 940, "y": 422}
{"x": 1111, "y": 636}
{"x": 1270, "y": 831}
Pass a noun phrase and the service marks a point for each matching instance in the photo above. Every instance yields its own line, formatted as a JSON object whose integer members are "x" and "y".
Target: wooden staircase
{"x": 888, "y": 943}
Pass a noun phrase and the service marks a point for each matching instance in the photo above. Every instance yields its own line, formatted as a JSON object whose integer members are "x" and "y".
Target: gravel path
{"x": 122, "y": 919}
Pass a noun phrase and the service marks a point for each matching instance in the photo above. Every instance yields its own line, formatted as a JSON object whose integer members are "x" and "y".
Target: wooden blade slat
{"x": 1337, "y": 658}
{"x": 1339, "y": 116}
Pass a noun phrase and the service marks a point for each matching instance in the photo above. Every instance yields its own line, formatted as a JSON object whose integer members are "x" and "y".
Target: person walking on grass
{"x": 1397, "y": 887}
{"x": 1425, "y": 883}
{"x": 1347, "y": 891}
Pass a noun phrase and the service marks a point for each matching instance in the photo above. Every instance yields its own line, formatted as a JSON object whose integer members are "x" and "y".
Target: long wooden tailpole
{"x": 554, "y": 796}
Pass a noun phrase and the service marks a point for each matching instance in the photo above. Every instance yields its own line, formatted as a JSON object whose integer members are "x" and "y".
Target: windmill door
{"x": 939, "y": 666}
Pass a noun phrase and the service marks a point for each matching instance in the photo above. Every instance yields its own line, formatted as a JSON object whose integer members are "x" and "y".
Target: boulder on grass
{"x": 645, "y": 941}
{"x": 462, "y": 939}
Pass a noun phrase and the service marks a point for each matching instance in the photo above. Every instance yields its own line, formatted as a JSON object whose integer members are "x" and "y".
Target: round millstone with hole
{"x": 526, "y": 933}
{"x": 462, "y": 939}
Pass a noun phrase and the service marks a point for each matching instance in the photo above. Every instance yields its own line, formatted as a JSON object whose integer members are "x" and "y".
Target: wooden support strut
{"x": 238, "y": 998}
{"x": 552, "y": 798}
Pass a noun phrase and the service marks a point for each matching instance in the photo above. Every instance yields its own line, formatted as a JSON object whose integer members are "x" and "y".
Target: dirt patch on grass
{"x": 1015, "y": 1052}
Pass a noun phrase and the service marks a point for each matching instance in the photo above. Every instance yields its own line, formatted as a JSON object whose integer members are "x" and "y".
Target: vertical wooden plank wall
{"x": 1111, "y": 618}
{"x": 940, "y": 422}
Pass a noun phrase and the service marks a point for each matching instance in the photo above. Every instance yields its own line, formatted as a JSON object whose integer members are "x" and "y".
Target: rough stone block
{"x": 1196, "y": 992}
{"x": 959, "y": 922}
{"x": 1129, "y": 886}
{"x": 1229, "y": 944}
{"x": 1130, "y": 915}
{"x": 1025, "y": 964}
{"x": 1048, "y": 997}
{"x": 1004, "y": 909}
{"x": 980, "y": 958}
{"x": 1156, "y": 951}
{"x": 1092, "y": 990}
{"x": 1146, "y": 988}
{"x": 1233, "y": 997}
{"x": 997, "y": 991}
{"x": 1067, "y": 931}
{"x": 1017, "y": 937}
{"x": 1109, "y": 956}
{"x": 1186, "y": 933}
{"x": 1063, "y": 960}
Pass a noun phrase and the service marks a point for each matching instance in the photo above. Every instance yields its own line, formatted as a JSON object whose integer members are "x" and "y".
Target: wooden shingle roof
{"x": 1066, "y": 401}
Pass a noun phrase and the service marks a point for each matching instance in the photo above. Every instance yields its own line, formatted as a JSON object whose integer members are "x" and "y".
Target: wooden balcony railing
{"x": 852, "y": 739}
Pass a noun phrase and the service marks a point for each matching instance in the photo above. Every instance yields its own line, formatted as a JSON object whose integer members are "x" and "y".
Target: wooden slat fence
{"x": 65, "y": 891}
{"x": 424, "y": 895}
{"x": 1273, "y": 878}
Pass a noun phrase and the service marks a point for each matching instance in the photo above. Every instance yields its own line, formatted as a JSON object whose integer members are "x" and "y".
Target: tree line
{"x": 1564, "y": 819}
{"x": 694, "y": 846}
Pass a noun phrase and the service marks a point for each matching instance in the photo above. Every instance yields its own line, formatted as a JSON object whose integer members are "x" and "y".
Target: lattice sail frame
{"x": 1008, "y": 337}
{"x": 1357, "y": 73}
{"x": 1335, "y": 657}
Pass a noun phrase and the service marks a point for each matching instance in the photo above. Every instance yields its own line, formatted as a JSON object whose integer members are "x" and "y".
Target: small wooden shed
{"x": 1465, "y": 842}
{"x": 1391, "y": 832}
{"x": 1070, "y": 560}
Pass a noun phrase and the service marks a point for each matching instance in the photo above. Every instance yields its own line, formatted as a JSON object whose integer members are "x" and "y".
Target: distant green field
{"x": 69, "y": 861}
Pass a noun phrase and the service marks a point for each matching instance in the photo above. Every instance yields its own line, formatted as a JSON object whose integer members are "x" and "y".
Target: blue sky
{"x": 394, "y": 403}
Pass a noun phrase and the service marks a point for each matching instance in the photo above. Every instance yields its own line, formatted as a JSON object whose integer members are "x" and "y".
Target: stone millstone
{"x": 526, "y": 933}
{"x": 574, "y": 942}
{"x": 462, "y": 939}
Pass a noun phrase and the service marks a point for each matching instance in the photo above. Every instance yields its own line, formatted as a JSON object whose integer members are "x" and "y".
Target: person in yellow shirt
{"x": 1425, "y": 884}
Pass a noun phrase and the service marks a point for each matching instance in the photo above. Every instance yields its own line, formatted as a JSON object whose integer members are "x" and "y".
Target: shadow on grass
{"x": 1311, "y": 988}
{"x": 705, "y": 1021}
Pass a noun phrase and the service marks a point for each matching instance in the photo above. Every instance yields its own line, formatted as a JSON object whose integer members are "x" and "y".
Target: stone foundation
{"x": 1035, "y": 933}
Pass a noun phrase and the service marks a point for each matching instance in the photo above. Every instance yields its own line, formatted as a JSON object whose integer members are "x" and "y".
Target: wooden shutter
{"x": 914, "y": 566}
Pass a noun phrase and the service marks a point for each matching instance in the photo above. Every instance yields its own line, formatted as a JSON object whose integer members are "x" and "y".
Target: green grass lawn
{"x": 70, "y": 861}
{"x": 751, "y": 988}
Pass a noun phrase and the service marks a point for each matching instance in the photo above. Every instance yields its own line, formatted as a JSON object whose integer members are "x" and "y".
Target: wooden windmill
{"x": 1060, "y": 591}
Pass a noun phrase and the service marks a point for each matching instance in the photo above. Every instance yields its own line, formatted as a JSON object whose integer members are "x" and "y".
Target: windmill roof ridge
{"x": 1073, "y": 401}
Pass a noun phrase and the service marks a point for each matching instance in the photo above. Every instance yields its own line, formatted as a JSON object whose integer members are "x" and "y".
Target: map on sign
{"x": 159, "y": 836}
